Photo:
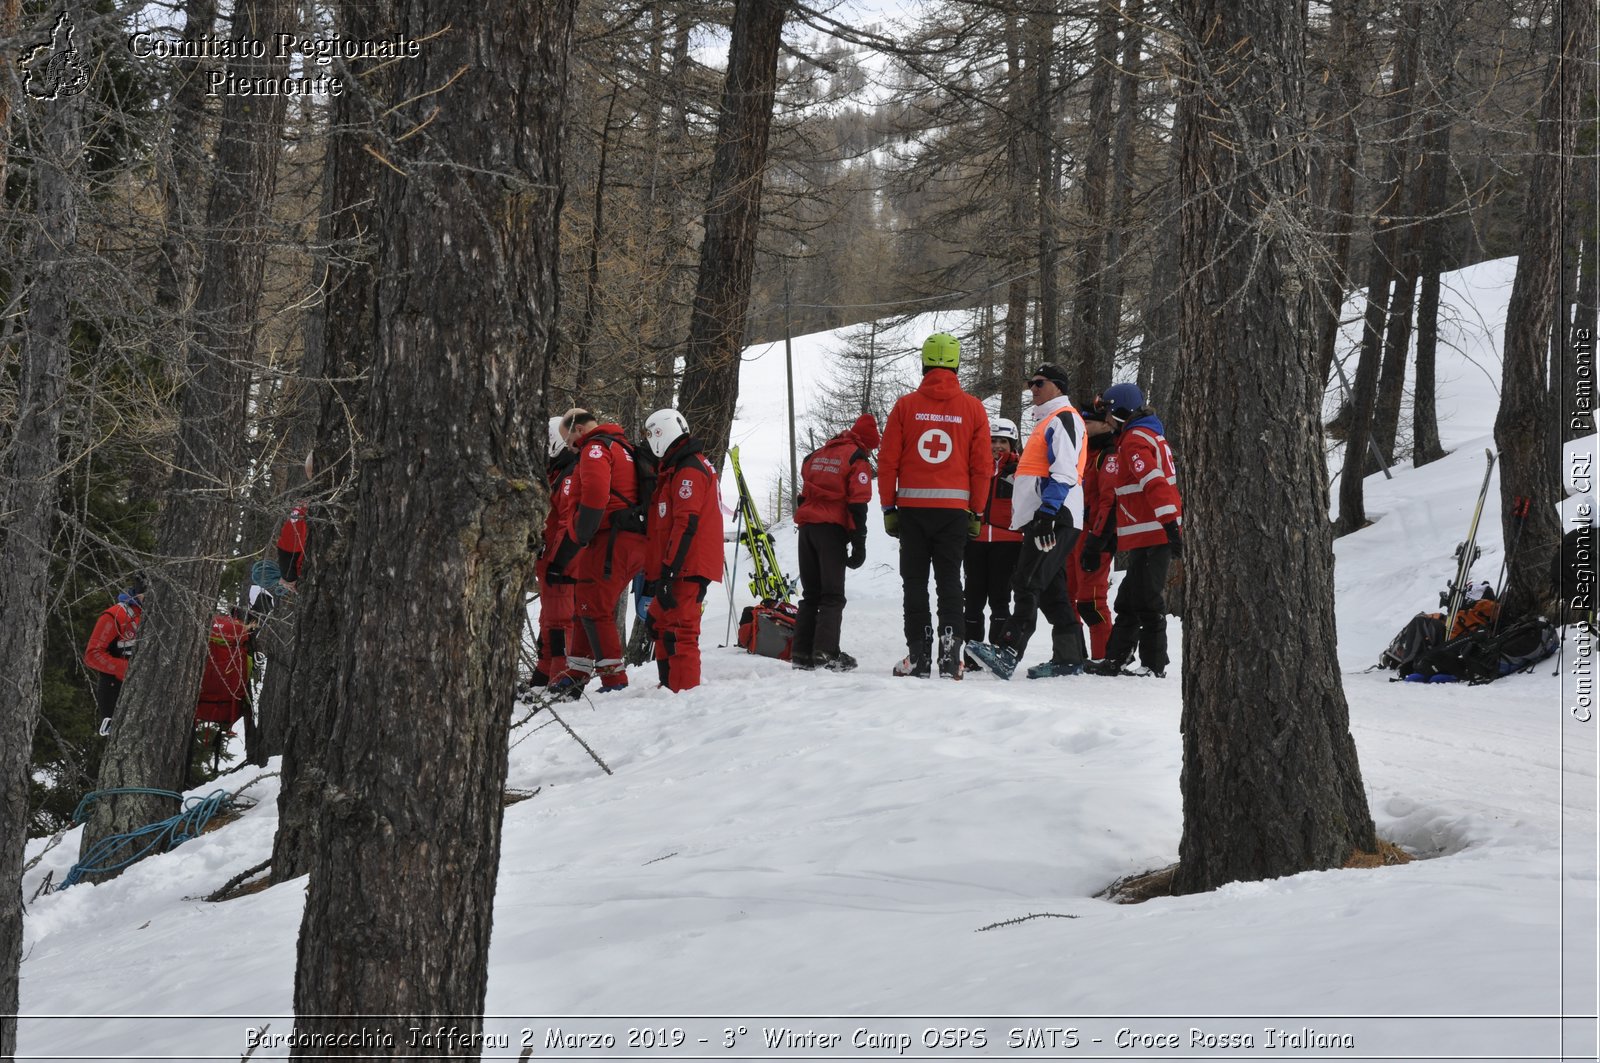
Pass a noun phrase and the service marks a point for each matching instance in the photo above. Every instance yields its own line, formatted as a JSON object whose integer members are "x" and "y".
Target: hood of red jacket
{"x": 940, "y": 384}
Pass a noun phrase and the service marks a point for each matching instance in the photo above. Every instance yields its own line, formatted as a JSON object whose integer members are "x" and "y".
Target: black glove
{"x": 1174, "y": 538}
{"x": 664, "y": 593}
{"x": 1093, "y": 553}
{"x": 651, "y": 588}
{"x": 857, "y": 555}
{"x": 565, "y": 552}
{"x": 1042, "y": 530}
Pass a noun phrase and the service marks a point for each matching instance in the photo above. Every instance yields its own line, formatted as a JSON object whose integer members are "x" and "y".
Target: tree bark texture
{"x": 1335, "y": 167}
{"x": 32, "y": 470}
{"x": 308, "y": 689}
{"x": 448, "y": 496}
{"x": 1271, "y": 783}
{"x": 1528, "y": 430}
{"x": 1121, "y": 207}
{"x": 1018, "y": 172}
{"x": 733, "y": 221}
{"x": 1425, "y": 445}
{"x": 156, "y": 708}
{"x": 1041, "y": 43}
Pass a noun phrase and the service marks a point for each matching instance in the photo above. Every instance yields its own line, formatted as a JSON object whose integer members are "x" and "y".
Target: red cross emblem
{"x": 935, "y": 446}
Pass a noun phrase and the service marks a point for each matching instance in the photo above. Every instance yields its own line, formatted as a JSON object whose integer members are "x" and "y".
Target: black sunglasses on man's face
{"x": 1039, "y": 383}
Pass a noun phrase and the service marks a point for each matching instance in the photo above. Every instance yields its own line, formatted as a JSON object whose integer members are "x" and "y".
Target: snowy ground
{"x": 823, "y": 853}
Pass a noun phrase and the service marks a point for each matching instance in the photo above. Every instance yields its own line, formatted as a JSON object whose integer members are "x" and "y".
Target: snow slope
{"x": 836, "y": 849}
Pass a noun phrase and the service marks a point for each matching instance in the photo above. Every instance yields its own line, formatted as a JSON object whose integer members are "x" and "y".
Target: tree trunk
{"x": 350, "y": 331}
{"x": 1335, "y": 172}
{"x": 1159, "y": 365}
{"x": 1380, "y": 276}
{"x": 1018, "y": 173}
{"x": 447, "y": 497}
{"x": 183, "y": 165}
{"x": 1271, "y": 783}
{"x": 1115, "y": 270}
{"x": 155, "y": 711}
{"x": 1528, "y": 431}
{"x": 732, "y": 223}
{"x": 1425, "y": 445}
{"x": 1041, "y": 40}
{"x": 1089, "y": 292}
{"x": 32, "y": 468}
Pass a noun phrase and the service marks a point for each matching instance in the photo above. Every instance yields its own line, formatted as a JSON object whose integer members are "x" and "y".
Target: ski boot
{"x": 919, "y": 662}
{"x": 837, "y": 662}
{"x": 803, "y": 661}
{"x": 1104, "y": 666}
{"x": 1002, "y": 662}
{"x": 950, "y": 654}
{"x": 1051, "y": 669}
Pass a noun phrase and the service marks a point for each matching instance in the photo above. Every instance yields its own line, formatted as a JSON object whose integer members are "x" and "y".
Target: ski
{"x": 767, "y": 581}
{"x": 1468, "y": 549}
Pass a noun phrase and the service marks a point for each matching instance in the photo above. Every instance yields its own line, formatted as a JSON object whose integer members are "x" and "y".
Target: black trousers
{"x": 823, "y": 548}
{"x": 988, "y": 569}
{"x": 1141, "y": 609}
{"x": 106, "y": 689}
{"x": 1040, "y": 584}
{"x": 935, "y": 538}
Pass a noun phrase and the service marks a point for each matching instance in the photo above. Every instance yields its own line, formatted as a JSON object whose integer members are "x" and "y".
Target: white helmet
{"x": 662, "y": 428}
{"x": 558, "y": 442}
{"x": 1003, "y": 428}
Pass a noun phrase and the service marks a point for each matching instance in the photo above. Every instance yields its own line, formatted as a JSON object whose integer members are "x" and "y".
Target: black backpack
{"x": 1422, "y": 634}
{"x": 634, "y": 517}
{"x": 1484, "y": 655}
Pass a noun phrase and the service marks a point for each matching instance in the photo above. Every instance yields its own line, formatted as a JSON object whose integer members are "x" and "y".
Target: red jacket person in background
{"x": 991, "y": 557}
{"x": 835, "y": 488}
{"x": 1089, "y": 566}
{"x": 557, "y": 600}
{"x": 1149, "y": 522}
{"x": 933, "y": 474}
{"x": 110, "y": 645}
{"x": 608, "y": 532}
{"x": 685, "y": 554}
{"x": 292, "y": 544}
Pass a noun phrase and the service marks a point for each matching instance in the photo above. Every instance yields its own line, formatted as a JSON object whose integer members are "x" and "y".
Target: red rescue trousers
{"x": 1089, "y": 592}
{"x": 605, "y": 568}
{"x": 557, "y": 605}
{"x": 678, "y": 634}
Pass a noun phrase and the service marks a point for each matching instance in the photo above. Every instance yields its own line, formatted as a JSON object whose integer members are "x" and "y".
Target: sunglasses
{"x": 1038, "y": 382}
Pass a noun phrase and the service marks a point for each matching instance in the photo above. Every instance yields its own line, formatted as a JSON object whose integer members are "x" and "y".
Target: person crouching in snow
{"x": 835, "y": 488}
{"x": 685, "y": 553}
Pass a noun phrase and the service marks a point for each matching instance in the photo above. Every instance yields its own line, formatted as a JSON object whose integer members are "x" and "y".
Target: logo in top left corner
{"x": 55, "y": 68}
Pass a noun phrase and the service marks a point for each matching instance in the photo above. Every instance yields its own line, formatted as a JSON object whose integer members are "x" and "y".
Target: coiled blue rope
{"x": 117, "y": 851}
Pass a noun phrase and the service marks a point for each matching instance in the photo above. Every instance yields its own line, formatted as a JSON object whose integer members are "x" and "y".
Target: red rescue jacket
{"x": 685, "y": 517}
{"x": 935, "y": 451}
{"x": 1145, "y": 485}
{"x": 292, "y": 535}
{"x": 111, "y": 642}
{"x": 997, "y": 510}
{"x": 563, "y": 469}
{"x": 606, "y": 478}
{"x": 833, "y": 478}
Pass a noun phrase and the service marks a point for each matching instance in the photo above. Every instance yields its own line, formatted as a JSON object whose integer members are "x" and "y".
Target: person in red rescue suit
{"x": 685, "y": 555}
{"x": 557, "y": 600}
{"x": 1047, "y": 508}
{"x": 1089, "y": 565}
{"x": 1149, "y": 526}
{"x": 933, "y": 473}
{"x": 292, "y": 544}
{"x": 225, "y": 682}
{"x": 610, "y": 550}
{"x": 111, "y": 643}
{"x": 831, "y": 513}
{"x": 991, "y": 557}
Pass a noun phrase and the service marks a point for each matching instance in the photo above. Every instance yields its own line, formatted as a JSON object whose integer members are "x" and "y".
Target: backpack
{"x": 1483, "y": 655}
{"x": 1422, "y": 633}
{"x": 635, "y": 516}
{"x": 768, "y": 630}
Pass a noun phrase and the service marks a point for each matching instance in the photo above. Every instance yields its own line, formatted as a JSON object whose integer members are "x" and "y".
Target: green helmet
{"x": 941, "y": 351}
